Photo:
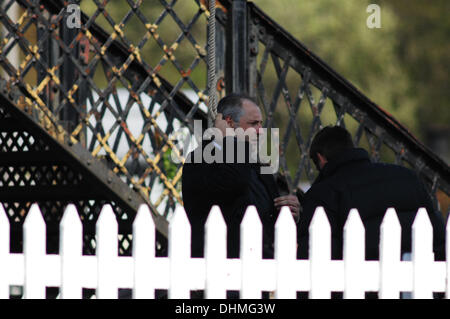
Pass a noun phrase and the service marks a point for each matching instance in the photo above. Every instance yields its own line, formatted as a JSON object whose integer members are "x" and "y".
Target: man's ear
{"x": 322, "y": 160}
{"x": 229, "y": 121}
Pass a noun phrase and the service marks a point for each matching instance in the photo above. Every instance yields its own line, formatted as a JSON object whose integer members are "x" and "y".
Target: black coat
{"x": 351, "y": 180}
{"x": 228, "y": 186}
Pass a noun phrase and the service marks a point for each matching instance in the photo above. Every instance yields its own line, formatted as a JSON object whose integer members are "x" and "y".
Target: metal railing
{"x": 321, "y": 97}
{"x": 134, "y": 73}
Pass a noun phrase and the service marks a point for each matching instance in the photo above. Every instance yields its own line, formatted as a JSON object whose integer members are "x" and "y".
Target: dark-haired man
{"x": 232, "y": 185}
{"x": 348, "y": 179}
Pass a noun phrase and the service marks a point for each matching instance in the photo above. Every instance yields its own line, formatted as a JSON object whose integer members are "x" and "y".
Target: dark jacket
{"x": 351, "y": 180}
{"x": 232, "y": 186}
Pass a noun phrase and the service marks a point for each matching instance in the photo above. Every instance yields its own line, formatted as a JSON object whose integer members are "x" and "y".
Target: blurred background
{"x": 403, "y": 66}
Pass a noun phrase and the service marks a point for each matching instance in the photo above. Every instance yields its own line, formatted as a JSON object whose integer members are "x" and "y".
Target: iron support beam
{"x": 68, "y": 114}
{"x": 236, "y": 76}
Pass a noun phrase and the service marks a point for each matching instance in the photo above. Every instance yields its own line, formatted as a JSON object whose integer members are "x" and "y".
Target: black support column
{"x": 69, "y": 73}
{"x": 236, "y": 76}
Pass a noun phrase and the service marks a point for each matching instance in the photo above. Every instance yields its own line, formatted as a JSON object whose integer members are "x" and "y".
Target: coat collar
{"x": 344, "y": 158}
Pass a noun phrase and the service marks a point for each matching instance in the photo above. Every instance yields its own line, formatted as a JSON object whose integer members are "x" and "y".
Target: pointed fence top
{"x": 215, "y": 238}
{"x": 251, "y": 217}
{"x": 422, "y": 220}
{"x": 390, "y": 220}
{"x": 70, "y": 215}
{"x": 251, "y": 234}
{"x": 353, "y": 220}
{"x": 144, "y": 217}
{"x": 319, "y": 219}
{"x": 215, "y": 218}
{"x": 107, "y": 215}
{"x": 179, "y": 218}
{"x": 285, "y": 218}
{"x": 34, "y": 217}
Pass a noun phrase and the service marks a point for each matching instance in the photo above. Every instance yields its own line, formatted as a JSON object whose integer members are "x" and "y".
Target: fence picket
{"x": 215, "y": 254}
{"x": 179, "y": 254}
{"x": 107, "y": 254}
{"x": 285, "y": 254}
{"x": 354, "y": 256}
{"x": 250, "y": 254}
{"x": 71, "y": 249}
{"x": 143, "y": 254}
{"x": 34, "y": 247}
{"x": 320, "y": 254}
{"x": 4, "y": 253}
{"x": 179, "y": 273}
{"x": 390, "y": 253}
{"x": 422, "y": 255}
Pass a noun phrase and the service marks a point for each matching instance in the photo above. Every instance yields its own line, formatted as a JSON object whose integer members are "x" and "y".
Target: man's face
{"x": 249, "y": 126}
{"x": 251, "y": 118}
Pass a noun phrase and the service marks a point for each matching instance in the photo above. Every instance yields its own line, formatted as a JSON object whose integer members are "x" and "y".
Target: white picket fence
{"x": 250, "y": 274}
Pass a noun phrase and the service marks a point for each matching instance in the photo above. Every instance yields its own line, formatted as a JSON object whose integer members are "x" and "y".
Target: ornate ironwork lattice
{"x": 35, "y": 168}
{"x": 102, "y": 85}
{"x": 300, "y": 94}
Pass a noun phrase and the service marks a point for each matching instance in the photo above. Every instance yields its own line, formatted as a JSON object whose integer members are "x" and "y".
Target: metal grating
{"x": 36, "y": 168}
{"x": 134, "y": 74}
{"x": 300, "y": 94}
{"x": 96, "y": 88}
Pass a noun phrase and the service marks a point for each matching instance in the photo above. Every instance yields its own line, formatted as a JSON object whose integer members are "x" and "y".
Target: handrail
{"x": 343, "y": 92}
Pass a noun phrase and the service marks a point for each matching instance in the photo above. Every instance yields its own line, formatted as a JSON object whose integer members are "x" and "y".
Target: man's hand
{"x": 292, "y": 202}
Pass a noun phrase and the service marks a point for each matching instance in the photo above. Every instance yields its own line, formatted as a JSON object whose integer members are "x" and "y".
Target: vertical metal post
{"x": 83, "y": 91}
{"x": 49, "y": 54}
{"x": 68, "y": 114}
{"x": 253, "y": 50}
{"x": 236, "y": 76}
{"x": 44, "y": 41}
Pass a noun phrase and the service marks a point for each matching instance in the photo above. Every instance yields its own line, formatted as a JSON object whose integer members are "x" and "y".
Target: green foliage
{"x": 403, "y": 66}
{"x": 170, "y": 168}
{"x": 336, "y": 31}
{"x": 422, "y": 44}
